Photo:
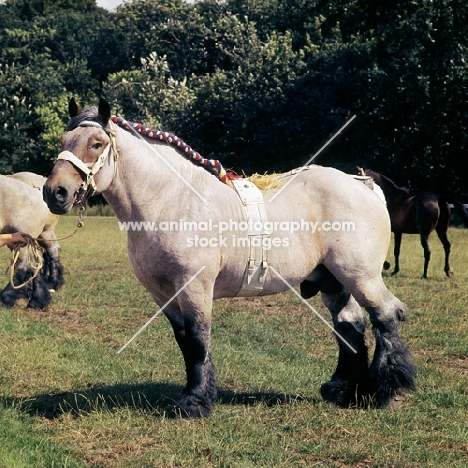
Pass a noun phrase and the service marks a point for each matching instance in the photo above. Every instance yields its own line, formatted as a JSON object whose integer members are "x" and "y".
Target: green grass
{"x": 68, "y": 400}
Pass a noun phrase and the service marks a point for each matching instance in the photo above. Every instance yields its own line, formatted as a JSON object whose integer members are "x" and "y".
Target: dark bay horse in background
{"x": 417, "y": 212}
{"x": 23, "y": 209}
{"x": 146, "y": 179}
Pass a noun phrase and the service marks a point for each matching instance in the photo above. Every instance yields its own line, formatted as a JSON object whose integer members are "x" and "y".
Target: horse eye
{"x": 96, "y": 145}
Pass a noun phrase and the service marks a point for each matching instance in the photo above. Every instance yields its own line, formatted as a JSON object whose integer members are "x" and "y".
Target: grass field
{"x": 68, "y": 400}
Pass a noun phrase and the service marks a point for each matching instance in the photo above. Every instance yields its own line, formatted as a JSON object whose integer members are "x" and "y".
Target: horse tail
{"x": 459, "y": 208}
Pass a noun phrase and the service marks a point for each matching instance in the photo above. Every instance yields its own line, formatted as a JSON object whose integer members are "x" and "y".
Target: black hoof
{"x": 336, "y": 392}
{"x": 343, "y": 394}
{"x": 37, "y": 305}
{"x": 190, "y": 406}
{"x": 397, "y": 376}
{"x": 8, "y": 298}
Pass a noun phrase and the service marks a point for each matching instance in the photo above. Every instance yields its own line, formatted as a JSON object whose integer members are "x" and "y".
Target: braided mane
{"x": 212, "y": 165}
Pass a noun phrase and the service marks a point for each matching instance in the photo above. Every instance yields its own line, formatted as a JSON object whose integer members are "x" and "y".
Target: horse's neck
{"x": 154, "y": 178}
{"x": 390, "y": 189}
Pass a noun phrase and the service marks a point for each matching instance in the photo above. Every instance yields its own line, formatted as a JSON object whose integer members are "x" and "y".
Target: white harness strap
{"x": 257, "y": 264}
{"x": 89, "y": 169}
{"x": 78, "y": 163}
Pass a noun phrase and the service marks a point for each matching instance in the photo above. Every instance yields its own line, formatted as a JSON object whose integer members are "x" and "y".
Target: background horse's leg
{"x": 350, "y": 380}
{"x": 427, "y": 252}
{"x": 22, "y": 273}
{"x": 35, "y": 291}
{"x": 192, "y": 333}
{"x": 53, "y": 269}
{"x": 396, "y": 252}
{"x": 441, "y": 229}
{"x": 447, "y": 245}
{"x": 9, "y": 295}
{"x": 40, "y": 297}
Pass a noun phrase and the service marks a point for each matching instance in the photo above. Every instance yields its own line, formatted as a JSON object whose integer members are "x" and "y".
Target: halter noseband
{"x": 88, "y": 187}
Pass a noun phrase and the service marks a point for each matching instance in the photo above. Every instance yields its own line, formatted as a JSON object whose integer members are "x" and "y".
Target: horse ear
{"x": 104, "y": 112}
{"x": 73, "y": 108}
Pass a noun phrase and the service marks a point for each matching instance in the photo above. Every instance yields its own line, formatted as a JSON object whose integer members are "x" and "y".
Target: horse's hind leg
{"x": 350, "y": 379}
{"x": 392, "y": 368}
{"x": 396, "y": 252}
{"x": 21, "y": 275}
{"x": 40, "y": 297}
{"x": 10, "y": 295}
{"x": 35, "y": 290}
{"x": 192, "y": 333}
{"x": 53, "y": 269}
{"x": 427, "y": 253}
{"x": 446, "y": 243}
{"x": 441, "y": 230}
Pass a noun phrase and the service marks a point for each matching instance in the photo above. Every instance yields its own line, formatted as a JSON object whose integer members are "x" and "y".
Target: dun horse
{"x": 144, "y": 179}
{"x": 23, "y": 209}
{"x": 417, "y": 212}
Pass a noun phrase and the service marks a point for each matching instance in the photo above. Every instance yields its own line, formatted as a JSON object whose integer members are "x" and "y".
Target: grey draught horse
{"x": 23, "y": 209}
{"x": 148, "y": 180}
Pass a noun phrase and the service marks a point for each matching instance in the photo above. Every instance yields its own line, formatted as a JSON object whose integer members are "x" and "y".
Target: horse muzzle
{"x": 60, "y": 197}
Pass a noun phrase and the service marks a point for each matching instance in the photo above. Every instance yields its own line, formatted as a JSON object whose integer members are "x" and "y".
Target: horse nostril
{"x": 61, "y": 193}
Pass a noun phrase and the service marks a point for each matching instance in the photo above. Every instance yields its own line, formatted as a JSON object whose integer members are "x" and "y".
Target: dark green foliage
{"x": 260, "y": 84}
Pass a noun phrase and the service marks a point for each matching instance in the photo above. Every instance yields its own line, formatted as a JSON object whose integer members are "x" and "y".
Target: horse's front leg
{"x": 349, "y": 382}
{"x": 191, "y": 325}
{"x": 53, "y": 269}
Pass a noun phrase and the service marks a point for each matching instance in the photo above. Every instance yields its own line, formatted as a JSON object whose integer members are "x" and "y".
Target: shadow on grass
{"x": 150, "y": 397}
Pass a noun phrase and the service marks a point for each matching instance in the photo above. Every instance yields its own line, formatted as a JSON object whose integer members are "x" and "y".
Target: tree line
{"x": 259, "y": 84}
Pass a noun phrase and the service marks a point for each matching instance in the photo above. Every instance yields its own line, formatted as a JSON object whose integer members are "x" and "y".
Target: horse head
{"x": 86, "y": 149}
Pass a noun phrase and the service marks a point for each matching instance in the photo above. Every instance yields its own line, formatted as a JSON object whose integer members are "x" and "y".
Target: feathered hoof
{"x": 37, "y": 305}
{"x": 397, "y": 377}
{"x": 191, "y": 407}
{"x": 7, "y": 300}
{"x": 341, "y": 393}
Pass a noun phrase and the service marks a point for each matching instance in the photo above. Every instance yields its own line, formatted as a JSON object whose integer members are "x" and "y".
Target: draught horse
{"x": 418, "y": 212}
{"x": 23, "y": 209}
{"x": 149, "y": 180}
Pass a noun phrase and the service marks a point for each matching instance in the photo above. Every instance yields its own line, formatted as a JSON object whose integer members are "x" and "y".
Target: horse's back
{"x": 22, "y": 207}
{"x": 341, "y": 222}
{"x": 330, "y": 193}
{"x": 34, "y": 180}
{"x": 37, "y": 181}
